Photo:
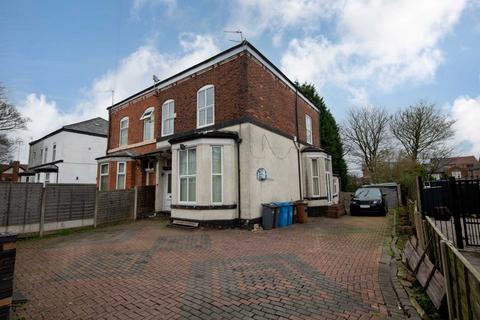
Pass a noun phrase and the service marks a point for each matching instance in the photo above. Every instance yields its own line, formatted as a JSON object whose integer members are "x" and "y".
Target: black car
{"x": 368, "y": 201}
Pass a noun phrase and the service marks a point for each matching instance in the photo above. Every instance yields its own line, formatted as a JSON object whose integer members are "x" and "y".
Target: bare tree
{"x": 10, "y": 119}
{"x": 423, "y": 131}
{"x": 365, "y": 134}
{"x": 6, "y": 148}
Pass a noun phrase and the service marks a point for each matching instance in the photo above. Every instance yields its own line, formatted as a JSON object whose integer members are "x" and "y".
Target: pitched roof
{"x": 463, "y": 160}
{"x": 95, "y": 127}
{"x": 244, "y": 46}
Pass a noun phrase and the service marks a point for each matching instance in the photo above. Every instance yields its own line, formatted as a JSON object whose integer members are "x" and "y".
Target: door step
{"x": 184, "y": 224}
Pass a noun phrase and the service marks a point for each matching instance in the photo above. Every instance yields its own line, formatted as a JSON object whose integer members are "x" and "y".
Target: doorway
{"x": 167, "y": 199}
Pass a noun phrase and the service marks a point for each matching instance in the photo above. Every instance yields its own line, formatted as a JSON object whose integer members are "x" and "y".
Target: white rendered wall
{"x": 78, "y": 152}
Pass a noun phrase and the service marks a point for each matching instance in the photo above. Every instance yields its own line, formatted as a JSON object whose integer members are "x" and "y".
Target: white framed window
{"x": 315, "y": 179}
{"x": 45, "y": 154}
{"x": 308, "y": 126}
{"x": 121, "y": 169}
{"x": 103, "y": 177}
{"x": 148, "y": 124}
{"x": 168, "y": 117}
{"x": 205, "y": 106}
{"x": 47, "y": 177}
{"x": 54, "y": 152}
{"x": 41, "y": 155}
{"x": 187, "y": 175}
{"x": 457, "y": 174}
{"x": 124, "y": 131}
{"x": 328, "y": 178}
{"x": 34, "y": 155}
{"x": 217, "y": 174}
{"x": 334, "y": 186}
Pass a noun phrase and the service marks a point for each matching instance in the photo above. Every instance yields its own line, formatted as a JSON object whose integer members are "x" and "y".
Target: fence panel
{"x": 145, "y": 201}
{"x": 69, "y": 202}
{"x": 115, "y": 206}
{"x": 20, "y": 203}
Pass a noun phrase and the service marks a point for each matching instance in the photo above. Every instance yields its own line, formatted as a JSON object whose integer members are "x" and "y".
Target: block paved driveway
{"x": 325, "y": 269}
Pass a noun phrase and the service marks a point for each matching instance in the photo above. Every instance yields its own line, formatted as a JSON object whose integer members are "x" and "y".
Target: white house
{"x": 67, "y": 155}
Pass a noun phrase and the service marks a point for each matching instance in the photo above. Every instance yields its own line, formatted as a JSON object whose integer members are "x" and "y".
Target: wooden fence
{"x": 462, "y": 280}
{"x": 29, "y": 208}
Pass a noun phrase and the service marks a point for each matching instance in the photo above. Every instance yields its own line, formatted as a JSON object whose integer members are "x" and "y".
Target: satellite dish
{"x": 155, "y": 79}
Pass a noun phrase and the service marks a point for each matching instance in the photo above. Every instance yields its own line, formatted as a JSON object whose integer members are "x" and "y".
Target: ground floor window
{"x": 217, "y": 174}
{"x": 187, "y": 173}
{"x": 121, "y": 175}
{"x": 47, "y": 177}
{"x": 315, "y": 178}
{"x": 104, "y": 176}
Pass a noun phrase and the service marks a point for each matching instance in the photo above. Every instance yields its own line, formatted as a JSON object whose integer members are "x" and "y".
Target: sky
{"x": 60, "y": 60}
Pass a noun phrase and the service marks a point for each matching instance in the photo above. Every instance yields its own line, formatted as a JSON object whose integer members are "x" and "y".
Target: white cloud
{"x": 256, "y": 17}
{"x": 466, "y": 111}
{"x": 132, "y": 74}
{"x": 138, "y": 5}
{"x": 374, "y": 44}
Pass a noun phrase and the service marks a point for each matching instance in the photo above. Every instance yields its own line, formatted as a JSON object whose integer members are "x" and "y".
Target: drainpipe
{"x": 239, "y": 140}
{"x": 297, "y": 145}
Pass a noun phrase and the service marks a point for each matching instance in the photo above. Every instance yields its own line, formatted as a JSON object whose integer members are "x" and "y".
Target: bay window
{"x": 187, "y": 173}
{"x": 205, "y": 106}
{"x": 217, "y": 174}
{"x": 121, "y": 175}
{"x": 103, "y": 177}
{"x": 315, "y": 178}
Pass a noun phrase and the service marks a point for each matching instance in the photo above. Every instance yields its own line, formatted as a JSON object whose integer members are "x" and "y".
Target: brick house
{"x": 13, "y": 171}
{"x": 218, "y": 140}
{"x": 466, "y": 167}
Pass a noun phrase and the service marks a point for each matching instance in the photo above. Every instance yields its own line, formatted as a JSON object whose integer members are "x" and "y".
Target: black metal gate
{"x": 455, "y": 207}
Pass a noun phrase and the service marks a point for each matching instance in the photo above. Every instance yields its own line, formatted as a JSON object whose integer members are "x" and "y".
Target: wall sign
{"x": 261, "y": 174}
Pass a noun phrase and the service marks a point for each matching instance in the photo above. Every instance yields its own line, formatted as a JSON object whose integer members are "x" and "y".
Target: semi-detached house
{"x": 218, "y": 140}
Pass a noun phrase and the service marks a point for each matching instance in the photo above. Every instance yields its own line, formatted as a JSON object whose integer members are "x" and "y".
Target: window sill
{"x": 202, "y": 207}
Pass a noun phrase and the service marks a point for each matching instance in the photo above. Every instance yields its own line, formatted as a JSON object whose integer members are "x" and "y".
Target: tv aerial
{"x": 239, "y": 32}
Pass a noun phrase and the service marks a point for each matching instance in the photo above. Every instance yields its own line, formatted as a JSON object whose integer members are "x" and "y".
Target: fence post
{"x": 452, "y": 186}
{"x": 42, "y": 210}
{"x": 135, "y": 203}
{"x": 446, "y": 276}
{"x": 95, "y": 210}
{"x": 420, "y": 195}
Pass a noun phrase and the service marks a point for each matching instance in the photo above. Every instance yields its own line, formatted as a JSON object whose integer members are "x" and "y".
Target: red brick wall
{"x": 272, "y": 102}
{"x": 229, "y": 97}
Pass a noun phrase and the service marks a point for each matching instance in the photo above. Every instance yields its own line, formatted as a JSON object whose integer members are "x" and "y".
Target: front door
{"x": 167, "y": 199}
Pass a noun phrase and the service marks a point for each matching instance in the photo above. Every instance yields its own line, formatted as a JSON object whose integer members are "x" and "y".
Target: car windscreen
{"x": 368, "y": 194}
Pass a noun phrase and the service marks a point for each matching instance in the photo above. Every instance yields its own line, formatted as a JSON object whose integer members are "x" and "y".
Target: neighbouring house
{"x": 467, "y": 167}
{"x": 13, "y": 172}
{"x": 67, "y": 155}
{"x": 218, "y": 140}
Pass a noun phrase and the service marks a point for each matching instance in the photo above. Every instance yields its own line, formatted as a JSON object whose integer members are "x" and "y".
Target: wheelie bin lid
{"x": 270, "y": 205}
{"x": 283, "y": 204}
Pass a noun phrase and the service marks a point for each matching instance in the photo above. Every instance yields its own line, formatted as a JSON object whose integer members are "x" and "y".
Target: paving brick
{"x": 325, "y": 269}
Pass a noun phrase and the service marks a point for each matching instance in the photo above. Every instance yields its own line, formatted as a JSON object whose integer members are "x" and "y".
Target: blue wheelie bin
{"x": 286, "y": 213}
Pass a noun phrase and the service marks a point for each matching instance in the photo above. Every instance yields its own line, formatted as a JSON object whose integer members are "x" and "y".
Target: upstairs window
{"x": 41, "y": 155}
{"x": 168, "y": 116}
{"x": 308, "y": 126}
{"x": 54, "y": 152}
{"x": 148, "y": 122}
{"x": 45, "y": 154}
{"x": 205, "y": 106}
{"x": 124, "y": 131}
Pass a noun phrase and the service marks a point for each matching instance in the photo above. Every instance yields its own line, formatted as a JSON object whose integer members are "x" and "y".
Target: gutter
{"x": 239, "y": 193}
{"x": 297, "y": 147}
